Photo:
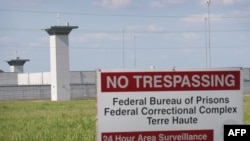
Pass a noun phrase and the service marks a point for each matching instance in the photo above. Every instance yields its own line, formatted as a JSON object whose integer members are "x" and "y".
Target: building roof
{"x": 60, "y": 30}
{"x": 17, "y": 62}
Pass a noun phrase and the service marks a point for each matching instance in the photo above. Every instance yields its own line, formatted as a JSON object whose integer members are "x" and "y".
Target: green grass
{"x": 246, "y": 119}
{"x": 56, "y": 121}
{"x": 47, "y": 121}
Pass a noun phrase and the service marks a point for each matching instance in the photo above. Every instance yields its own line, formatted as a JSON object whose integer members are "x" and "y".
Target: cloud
{"x": 21, "y": 2}
{"x": 164, "y": 3}
{"x": 190, "y": 36}
{"x": 4, "y": 39}
{"x": 198, "y": 18}
{"x": 95, "y": 36}
{"x": 39, "y": 42}
{"x": 154, "y": 28}
{"x": 145, "y": 28}
{"x": 112, "y": 4}
{"x": 157, "y": 4}
{"x": 241, "y": 12}
{"x": 230, "y": 2}
{"x": 227, "y": 2}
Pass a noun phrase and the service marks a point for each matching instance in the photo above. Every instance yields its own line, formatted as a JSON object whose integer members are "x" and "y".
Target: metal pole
{"x": 209, "y": 48}
{"x": 135, "y": 50}
{"x": 206, "y": 40}
{"x": 123, "y": 55}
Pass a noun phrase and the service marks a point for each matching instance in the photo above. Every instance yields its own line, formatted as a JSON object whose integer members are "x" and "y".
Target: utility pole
{"x": 123, "y": 50}
{"x": 135, "y": 51}
{"x": 206, "y": 49}
{"x": 208, "y": 17}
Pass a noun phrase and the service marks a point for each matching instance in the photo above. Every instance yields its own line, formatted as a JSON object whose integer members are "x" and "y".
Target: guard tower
{"x": 59, "y": 62}
{"x": 16, "y": 65}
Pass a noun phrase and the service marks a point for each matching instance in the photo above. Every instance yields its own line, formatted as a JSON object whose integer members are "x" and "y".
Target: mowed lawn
{"x": 56, "y": 121}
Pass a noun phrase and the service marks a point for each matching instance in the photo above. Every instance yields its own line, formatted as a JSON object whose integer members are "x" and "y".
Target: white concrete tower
{"x": 59, "y": 62}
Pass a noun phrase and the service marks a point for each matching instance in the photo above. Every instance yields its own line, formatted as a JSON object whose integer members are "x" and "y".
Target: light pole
{"x": 135, "y": 50}
{"x": 208, "y": 17}
{"x": 123, "y": 54}
{"x": 205, "y": 19}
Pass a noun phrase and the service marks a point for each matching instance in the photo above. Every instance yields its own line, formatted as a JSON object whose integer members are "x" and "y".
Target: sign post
{"x": 159, "y": 105}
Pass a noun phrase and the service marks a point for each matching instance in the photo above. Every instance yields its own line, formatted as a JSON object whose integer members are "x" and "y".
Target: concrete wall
{"x": 42, "y": 92}
{"x": 14, "y": 86}
{"x": 246, "y": 89}
{"x": 246, "y": 76}
{"x": 37, "y": 85}
{"x": 82, "y": 77}
{"x": 25, "y": 92}
{"x": 43, "y": 78}
{"x": 83, "y": 91}
{"x": 246, "y": 73}
{"x": 9, "y": 78}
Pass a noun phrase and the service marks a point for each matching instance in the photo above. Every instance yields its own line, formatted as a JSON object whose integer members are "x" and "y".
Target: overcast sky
{"x": 160, "y": 33}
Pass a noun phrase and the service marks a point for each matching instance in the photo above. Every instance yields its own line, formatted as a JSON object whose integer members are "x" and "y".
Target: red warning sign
{"x": 170, "y": 81}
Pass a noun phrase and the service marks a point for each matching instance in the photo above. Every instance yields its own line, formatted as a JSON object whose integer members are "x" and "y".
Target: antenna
{"x": 17, "y": 55}
{"x": 58, "y": 18}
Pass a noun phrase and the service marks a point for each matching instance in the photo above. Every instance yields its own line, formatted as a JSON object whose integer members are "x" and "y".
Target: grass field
{"x": 246, "y": 119}
{"x": 56, "y": 121}
{"x": 47, "y": 121}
